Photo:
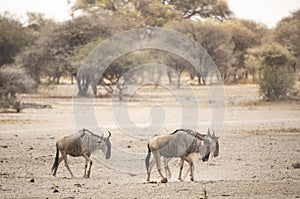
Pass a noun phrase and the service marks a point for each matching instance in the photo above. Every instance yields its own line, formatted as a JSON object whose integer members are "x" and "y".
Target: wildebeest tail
{"x": 148, "y": 158}
{"x": 55, "y": 164}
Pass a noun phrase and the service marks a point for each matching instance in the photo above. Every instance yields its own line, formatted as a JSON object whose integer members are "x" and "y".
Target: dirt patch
{"x": 258, "y": 146}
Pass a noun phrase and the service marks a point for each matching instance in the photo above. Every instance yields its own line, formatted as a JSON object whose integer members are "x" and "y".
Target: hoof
{"x": 164, "y": 180}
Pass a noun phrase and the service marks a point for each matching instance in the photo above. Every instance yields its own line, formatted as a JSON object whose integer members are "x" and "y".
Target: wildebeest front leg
{"x": 167, "y": 169}
{"x": 85, "y": 167}
{"x": 190, "y": 161}
{"x": 87, "y": 160}
{"x": 180, "y": 168}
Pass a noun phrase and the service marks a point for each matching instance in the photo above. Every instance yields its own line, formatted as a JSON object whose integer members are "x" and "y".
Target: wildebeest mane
{"x": 88, "y": 132}
{"x": 198, "y": 136}
{"x": 89, "y": 139}
{"x": 191, "y": 132}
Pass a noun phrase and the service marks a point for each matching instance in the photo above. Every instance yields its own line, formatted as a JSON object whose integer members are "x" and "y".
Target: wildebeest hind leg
{"x": 59, "y": 161}
{"x": 64, "y": 155}
{"x": 157, "y": 159}
{"x": 152, "y": 162}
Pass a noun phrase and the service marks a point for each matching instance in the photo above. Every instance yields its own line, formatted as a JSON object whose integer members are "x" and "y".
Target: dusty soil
{"x": 258, "y": 146}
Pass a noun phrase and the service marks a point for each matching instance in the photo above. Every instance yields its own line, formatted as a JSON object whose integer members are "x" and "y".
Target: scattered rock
{"x": 225, "y": 195}
{"x": 78, "y": 185}
{"x": 55, "y": 191}
{"x": 109, "y": 183}
{"x": 31, "y": 180}
{"x": 128, "y": 146}
{"x": 296, "y": 165}
{"x": 54, "y": 187}
{"x": 4, "y": 146}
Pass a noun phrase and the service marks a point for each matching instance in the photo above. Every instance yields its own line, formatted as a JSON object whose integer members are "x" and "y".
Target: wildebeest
{"x": 214, "y": 149}
{"x": 83, "y": 143}
{"x": 180, "y": 143}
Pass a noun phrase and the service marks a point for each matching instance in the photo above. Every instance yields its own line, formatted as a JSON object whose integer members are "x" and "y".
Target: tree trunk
{"x": 178, "y": 79}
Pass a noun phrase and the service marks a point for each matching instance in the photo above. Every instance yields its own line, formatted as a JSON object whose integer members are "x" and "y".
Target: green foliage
{"x": 276, "y": 83}
{"x": 276, "y": 77}
{"x": 13, "y": 37}
{"x": 287, "y": 32}
{"x": 252, "y": 65}
{"x": 217, "y": 9}
{"x": 14, "y": 81}
{"x": 50, "y": 50}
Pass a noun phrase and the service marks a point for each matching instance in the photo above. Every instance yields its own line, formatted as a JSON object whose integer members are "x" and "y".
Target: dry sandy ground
{"x": 259, "y": 143}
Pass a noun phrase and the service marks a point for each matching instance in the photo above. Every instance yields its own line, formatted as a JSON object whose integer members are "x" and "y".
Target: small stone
{"x": 296, "y": 165}
{"x": 55, "y": 191}
{"x": 32, "y": 180}
{"x": 225, "y": 195}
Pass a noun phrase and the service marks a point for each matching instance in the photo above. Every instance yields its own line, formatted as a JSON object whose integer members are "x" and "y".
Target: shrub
{"x": 276, "y": 83}
{"x": 276, "y": 78}
{"x": 13, "y": 81}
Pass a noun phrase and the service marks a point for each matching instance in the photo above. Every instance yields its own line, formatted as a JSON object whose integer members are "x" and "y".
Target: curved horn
{"x": 208, "y": 132}
{"x": 109, "y": 134}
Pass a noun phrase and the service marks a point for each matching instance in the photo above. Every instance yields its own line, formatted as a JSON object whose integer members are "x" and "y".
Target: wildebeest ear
{"x": 109, "y": 134}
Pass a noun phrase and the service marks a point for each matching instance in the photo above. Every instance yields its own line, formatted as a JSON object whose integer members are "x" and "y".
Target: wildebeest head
{"x": 108, "y": 146}
{"x": 209, "y": 144}
{"x": 105, "y": 145}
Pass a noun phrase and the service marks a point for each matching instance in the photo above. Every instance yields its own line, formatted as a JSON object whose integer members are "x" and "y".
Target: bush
{"x": 276, "y": 83}
{"x": 13, "y": 81}
{"x": 276, "y": 78}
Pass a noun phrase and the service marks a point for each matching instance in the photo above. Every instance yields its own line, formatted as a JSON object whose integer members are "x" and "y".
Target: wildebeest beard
{"x": 206, "y": 157}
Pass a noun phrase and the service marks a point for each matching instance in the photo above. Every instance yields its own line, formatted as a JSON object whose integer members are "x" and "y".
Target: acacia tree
{"x": 245, "y": 34}
{"x": 217, "y": 9}
{"x": 213, "y": 36}
{"x": 13, "y": 38}
{"x": 252, "y": 65}
{"x": 158, "y": 12}
{"x": 287, "y": 33}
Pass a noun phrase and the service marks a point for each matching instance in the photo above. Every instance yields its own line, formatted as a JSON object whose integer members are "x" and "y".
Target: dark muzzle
{"x": 206, "y": 157}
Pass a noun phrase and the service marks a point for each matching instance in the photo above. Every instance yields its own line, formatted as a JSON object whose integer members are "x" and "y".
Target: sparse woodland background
{"x": 42, "y": 51}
